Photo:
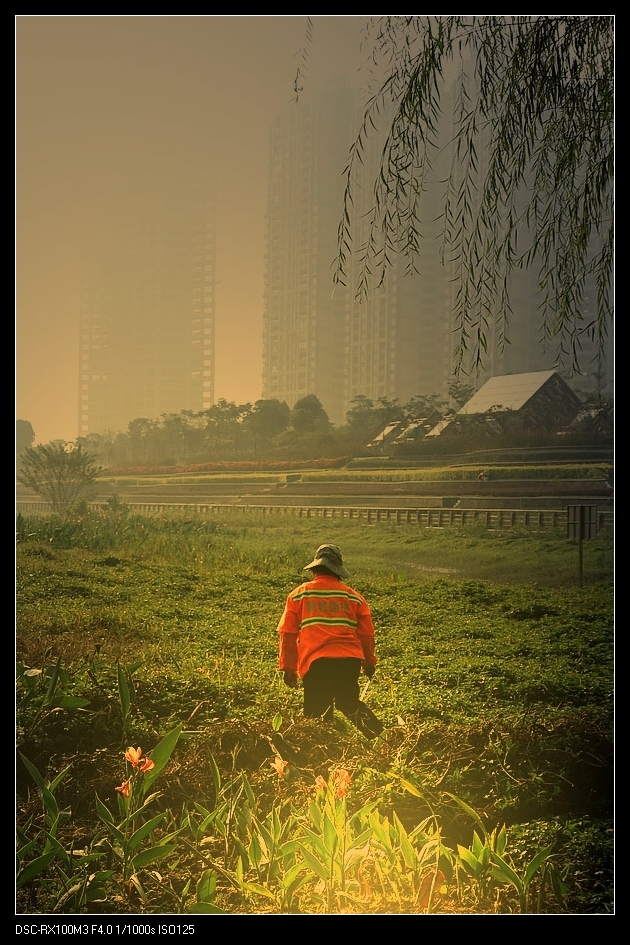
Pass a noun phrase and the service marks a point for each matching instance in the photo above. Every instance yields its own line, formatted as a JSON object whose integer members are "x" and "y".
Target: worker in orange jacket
{"x": 326, "y": 639}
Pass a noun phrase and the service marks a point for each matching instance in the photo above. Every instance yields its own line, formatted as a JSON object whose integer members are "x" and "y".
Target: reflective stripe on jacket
{"x": 324, "y": 618}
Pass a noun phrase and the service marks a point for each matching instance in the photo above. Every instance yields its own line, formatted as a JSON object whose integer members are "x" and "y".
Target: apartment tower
{"x": 148, "y": 308}
{"x": 320, "y": 338}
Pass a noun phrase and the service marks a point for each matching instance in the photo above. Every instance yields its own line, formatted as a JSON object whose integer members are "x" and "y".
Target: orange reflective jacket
{"x": 324, "y": 618}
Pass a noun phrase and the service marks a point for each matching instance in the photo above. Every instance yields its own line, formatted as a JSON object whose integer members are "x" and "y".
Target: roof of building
{"x": 505, "y": 392}
{"x": 508, "y": 391}
{"x": 385, "y": 433}
{"x": 439, "y": 426}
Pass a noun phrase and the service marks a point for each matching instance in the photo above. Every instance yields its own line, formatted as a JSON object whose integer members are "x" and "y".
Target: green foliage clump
{"x": 59, "y": 472}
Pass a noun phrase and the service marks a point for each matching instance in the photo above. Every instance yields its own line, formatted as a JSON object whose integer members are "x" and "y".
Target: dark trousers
{"x": 331, "y": 684}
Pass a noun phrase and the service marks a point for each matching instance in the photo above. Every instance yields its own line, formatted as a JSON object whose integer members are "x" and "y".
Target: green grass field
{"x": 495, "y": 682}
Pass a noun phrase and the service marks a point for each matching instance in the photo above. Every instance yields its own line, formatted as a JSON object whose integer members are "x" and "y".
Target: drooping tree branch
{"x": 530, "y": 179}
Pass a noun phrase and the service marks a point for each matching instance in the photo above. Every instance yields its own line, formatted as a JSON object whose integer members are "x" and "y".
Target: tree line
{"x": 61, "y": 472}
{"x": 267, "y": 429}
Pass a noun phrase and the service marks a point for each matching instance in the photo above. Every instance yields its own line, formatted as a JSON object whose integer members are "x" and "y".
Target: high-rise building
{"x": 319, "y": 338}
{"x": 148, "y": 308}
{"x": 399, "y": 340}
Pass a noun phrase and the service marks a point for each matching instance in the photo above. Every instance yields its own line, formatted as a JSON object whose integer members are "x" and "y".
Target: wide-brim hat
{"x": 328, "y": 556}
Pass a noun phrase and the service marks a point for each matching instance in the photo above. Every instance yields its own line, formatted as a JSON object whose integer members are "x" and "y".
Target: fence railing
{"x": 429, "y": 518}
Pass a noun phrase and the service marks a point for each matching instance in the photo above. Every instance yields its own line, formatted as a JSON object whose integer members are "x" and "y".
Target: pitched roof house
{"x": 542, "y": 399}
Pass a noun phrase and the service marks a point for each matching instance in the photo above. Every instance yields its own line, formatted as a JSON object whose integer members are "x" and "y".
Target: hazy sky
{"x": 101, "y": 98}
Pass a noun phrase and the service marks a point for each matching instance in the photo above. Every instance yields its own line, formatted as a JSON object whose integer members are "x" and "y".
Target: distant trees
{"x": 309, "y": 416}
{"x": 228, "y": 431}
{"x": 365, "y": 419}
{"x": 24, "y": 436}
{"x": 428, "y": 405}
{"x": 265, "y": 421}
{"x": 460, "y": 393}
{"x": 142, "y": 435}
{"x": 309, "y": 434}
{"x": 269, "y": 429}
{"x": 361, "y": 419}
{"x": 59, "y": 472}
{"x": 220, "y": 428}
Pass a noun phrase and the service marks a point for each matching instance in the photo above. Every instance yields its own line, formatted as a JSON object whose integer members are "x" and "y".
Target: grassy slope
{"x": 495, "y": 678}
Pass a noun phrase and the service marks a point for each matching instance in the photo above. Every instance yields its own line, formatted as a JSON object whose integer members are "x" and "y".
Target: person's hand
{"x": 369, "y": 671}
{"x": 290, "y": 679}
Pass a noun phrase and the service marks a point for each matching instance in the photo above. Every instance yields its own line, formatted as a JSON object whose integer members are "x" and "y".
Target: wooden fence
{"x": 428, "y": 518}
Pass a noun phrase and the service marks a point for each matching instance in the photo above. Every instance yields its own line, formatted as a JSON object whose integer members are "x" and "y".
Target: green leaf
{"x": 95, "y": 891}
{"x": 315, "y": 813}
{"x": 537, "y": 862}
{"x": 34, "y": 868}
{"x": 293, "y": 879}
{"x": 108, "y": 820}
{"x": 557, "y": 881}
{"x": 322, "y": 871}
{"x": 136, "y": 838}
{"x": 298, "y": 870}
{"x": 361, "y": 838}
{"x": 503, "y": 871}
{"x": 316, "y": 842}
{"x": 161, "y": 754}
{"x": 56, "y": 781}
{"x": 207, "y": 886}
{"x": 103, "y": 812}
{"x": 216, "y": 777}
{"x": 411, "y": 787}
{"x": 61, "y": 701}
{"x": 277, "y": 723}
{"x": 362, "y": 815}
{"x": 258, "y": 889}
{"x": 478, "y": 845}
{"x": 32, "y": 770}
{"x": 248, "y": 792}
{"x": 26, "y": 849}
{"x": 407, "y": 850}
{"x": 501, "y": 841}
{"x": 50, "y": 805}
{"x": 354, "y": 856}
{"x": 52, "y": 684}
{"x": 52, "y": 844}
{"x": 471, "y": 813}
{"x": 469, "y": 860}
{"x": 254, "y": 852}
{"x": 123, "y": 691}
{"x": 331, "y": 836}
{"x": 380, "y": 829}
{"x": 153, "y": 855}
{"x": 288, "y": 849}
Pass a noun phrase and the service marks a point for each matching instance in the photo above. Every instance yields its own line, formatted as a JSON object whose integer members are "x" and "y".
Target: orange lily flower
{"x": 320, "y": 783}
{"x": 133, "y": 756}
{"x": 125, "y": 788}
{"x": 146, "y": 765}
{"x": 341, "y": 782}
{"x": 280, "y": 765}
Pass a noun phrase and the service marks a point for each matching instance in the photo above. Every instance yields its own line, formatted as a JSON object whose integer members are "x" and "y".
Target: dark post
{"x": 581, "y": 524}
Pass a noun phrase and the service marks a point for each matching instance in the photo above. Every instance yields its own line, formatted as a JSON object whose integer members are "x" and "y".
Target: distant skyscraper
{"x": 318, "y": 341}
{"x": 148, "y": 308}
{"x": 399, "y": 341}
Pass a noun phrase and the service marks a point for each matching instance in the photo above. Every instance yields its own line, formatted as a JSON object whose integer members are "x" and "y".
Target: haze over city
{"x": 105, "y": 101}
